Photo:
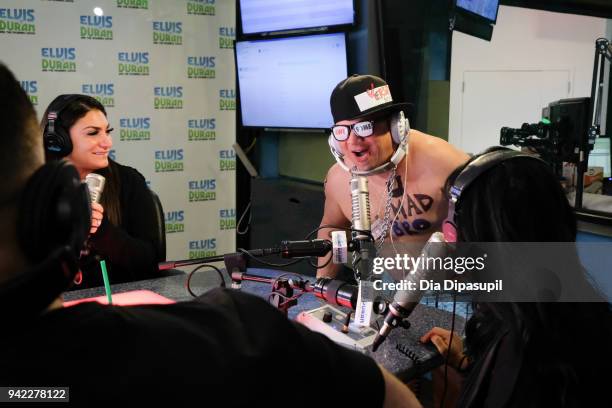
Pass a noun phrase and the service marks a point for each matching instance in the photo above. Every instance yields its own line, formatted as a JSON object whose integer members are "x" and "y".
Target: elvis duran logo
{"x": 31, "y": 88}
{"x": 201, "y": 7}
{"x": 168, "y": 97}
{"x": 133, "y": 63}
{"x": 227, "y": 160}
{"x": 201, "y": 67}
{"x": 133, "y": 4}
{"x": 227, "y": 219}
{"x": 167, "y": 32}
{"x": 202, "y": 248}
{"x": 202, "y": 190}
{"x": 104, "y": 93}
{"x": 201, "y": 129}
{"x": 17, "y": 21}
{"x": 61, "y": 1}
{"x": 133, "y": 129}
{"x": 169, "y": 160}
{"x": 96, "y": 27}
{"x": 112, "y": 154}
{"x": 58, "y": 59}
{"x": 226, "y": 37}
{"x": 175, "y": 221}
{"x": 227, "y": 99}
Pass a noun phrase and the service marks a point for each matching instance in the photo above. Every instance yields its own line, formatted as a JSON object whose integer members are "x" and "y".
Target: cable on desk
{"x": 188, "y": 281}
{"x": 416, "y": 362}
{"x": 450, "y": 342}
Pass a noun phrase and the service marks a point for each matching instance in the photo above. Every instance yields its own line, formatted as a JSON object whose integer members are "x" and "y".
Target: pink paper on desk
{"x": 135, "y": 297}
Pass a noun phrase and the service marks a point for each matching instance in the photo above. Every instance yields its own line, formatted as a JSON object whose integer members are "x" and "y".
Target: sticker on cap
{"x": 373, "y": 97}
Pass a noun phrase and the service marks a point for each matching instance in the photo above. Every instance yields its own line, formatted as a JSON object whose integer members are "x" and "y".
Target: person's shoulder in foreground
{"x": 227, "y": 343}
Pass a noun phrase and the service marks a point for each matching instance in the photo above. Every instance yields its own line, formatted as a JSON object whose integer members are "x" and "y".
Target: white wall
{"x": 542, "y": 48}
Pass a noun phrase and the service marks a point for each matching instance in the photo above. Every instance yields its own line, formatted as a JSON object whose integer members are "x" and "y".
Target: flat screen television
{"x": 486, "y": 9}
{"x": 265, "y": 16}
{"x": 286, "y": 82}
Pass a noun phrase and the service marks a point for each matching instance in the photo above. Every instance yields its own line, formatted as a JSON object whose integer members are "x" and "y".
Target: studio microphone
{"x": 406, "y": 300}
{"x": 360, "y": 206}
{"x": 335, "y": 292}
{"x": 364, "y": 249}
{"x": 95, "y": 184}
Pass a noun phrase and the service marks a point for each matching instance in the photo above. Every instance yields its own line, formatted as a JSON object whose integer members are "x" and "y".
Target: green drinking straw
{"x": 107, "y": 288}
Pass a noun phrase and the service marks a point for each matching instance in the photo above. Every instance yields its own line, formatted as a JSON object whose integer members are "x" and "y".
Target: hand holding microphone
{"x": 95, "y": 184}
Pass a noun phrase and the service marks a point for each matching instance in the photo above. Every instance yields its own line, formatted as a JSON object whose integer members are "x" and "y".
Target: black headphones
{"x": 56, "y": 138}
{"x": 53, "y": 223}
{"x": 471, "y": 172}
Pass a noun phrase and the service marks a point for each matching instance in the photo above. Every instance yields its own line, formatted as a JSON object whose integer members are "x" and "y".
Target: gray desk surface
{"x": 401, "y": 353}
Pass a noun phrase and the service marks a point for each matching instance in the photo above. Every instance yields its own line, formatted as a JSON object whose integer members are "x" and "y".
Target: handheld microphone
{"x": 405, "y": 301}
{"x": 95, "y": 184}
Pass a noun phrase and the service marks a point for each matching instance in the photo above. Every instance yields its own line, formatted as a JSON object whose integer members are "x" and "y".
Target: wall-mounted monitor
{"x": 486, "y": 9}
{"x": 286, "y": 82}
{"x": 266, "y": 16}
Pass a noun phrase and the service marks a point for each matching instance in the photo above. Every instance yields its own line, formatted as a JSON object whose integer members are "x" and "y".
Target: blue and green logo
{"x": 17, "y": 21}
{"x": 96, "y": 27}
{"x": 201, "y": 7}
{"x": 227, "y": 160}
{"x": 175, "y": 221}
{"x": 104, "y": 93}
{"x": 133, "y": 4}
{"x": 167, "y": 32}
{"x": 169, "y": 160}
{"x": 58, "y": 59}
{"x": 133, "y": 63}
{"x": 201, "y": 67}
{"x": 31, "y": 88}
{"x": 202, "y": 190}
{"x": 227, "y": 219}
{"x": 202, "y": 248}
{"x": 227, "y": 99}
{"x": 226, "y": 37}
{"x": 168, "y": 97}
{"x": 134, "y": 129}
{"x": 201, "y": 129}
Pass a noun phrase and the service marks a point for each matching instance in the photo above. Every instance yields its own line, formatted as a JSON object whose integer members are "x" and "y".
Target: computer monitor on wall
{"x": 486, "y": 9}
{"x": 286, "y": 82}
{"x": 268, "y": 16}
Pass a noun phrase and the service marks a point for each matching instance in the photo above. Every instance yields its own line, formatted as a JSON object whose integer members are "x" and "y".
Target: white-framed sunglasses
{"x": 361, "y": 129}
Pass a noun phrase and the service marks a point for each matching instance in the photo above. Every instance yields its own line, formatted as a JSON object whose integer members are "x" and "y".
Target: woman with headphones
{"x": 524, "y": 354}
{"x": 123, "y": 227}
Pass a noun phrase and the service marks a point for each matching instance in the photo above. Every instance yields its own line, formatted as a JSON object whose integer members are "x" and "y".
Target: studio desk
{"x": 401, "y": 353}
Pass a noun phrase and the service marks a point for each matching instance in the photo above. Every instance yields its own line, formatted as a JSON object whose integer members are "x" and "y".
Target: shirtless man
{"x": 365, "y": 118}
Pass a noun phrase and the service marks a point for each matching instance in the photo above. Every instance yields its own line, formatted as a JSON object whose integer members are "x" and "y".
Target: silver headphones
{"x": 400, "y": 132}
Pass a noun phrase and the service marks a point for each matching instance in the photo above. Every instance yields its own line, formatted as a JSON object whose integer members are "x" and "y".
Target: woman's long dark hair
{"x": 77, "y": 107}
{"x": 521, "y": 200}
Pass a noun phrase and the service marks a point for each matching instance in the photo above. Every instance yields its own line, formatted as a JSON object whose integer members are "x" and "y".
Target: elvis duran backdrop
{"x": 164, "y": 69}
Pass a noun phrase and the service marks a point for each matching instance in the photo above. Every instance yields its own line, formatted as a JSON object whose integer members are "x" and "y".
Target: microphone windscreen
{"x": 95, "y": 184}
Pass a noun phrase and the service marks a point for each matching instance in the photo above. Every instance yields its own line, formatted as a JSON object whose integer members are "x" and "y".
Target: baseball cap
{"x": 359, "y": 96}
